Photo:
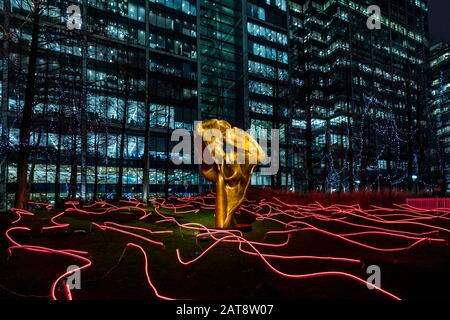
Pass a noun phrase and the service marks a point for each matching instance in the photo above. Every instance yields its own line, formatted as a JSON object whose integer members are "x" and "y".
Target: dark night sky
{"x": 439, "y": 20}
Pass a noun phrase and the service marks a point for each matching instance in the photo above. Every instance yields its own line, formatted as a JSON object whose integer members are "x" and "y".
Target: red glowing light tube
{"x": 20, "y": 213}
{"x": 286, "y": 275}
{"x": 108, "y": 223}
{"x": 147, "y": 274}
{"x": 39, "y": 249}
{"x": 359, "y": 223}
{"x": 103, "y": 228}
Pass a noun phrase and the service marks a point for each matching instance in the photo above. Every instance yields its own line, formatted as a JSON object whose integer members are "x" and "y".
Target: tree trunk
{"x": 95, "y": 191}
{"x": 58, "y": 162}
{"x": 341, "y": 163}
{"x": 166, "y": 171}
{"x": 410, "y": 145}
{"x": 31, "y": 174}
{"x": 365, "y": 135}
{"x": 350, "y": 111}
{"x": 309, "y": 138}
{"x": 350, "y": 153}
{"x": 33, "y": 164}
{"x": 389, "y": 167}
{"x": 351, "y": 179}
{"x": 326, "y": 151}
{"x": 421, "y": 171}
{"x": 119, "y": 191}
{"x": 25, "y": 125}
{"x": 146, "y": 159}
{"x": 73, "y": 184}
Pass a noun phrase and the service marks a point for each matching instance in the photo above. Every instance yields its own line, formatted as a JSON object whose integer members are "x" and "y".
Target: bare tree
{"x": 119, "y": 190}
{"x": 25, "y": 125}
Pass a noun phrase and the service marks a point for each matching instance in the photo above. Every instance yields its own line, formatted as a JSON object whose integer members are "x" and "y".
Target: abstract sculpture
{"x": 231, "y": 168}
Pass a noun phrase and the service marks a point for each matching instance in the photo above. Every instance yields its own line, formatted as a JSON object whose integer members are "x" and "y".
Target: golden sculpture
{"x": 231, "y": 169}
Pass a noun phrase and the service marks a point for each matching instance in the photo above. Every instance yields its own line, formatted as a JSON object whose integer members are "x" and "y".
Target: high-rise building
{"x": 360, "y": 108}
{"x": 220, "y": 56}
{"x": 135, "y": 71}
{"x": 440, "y": 70}
{"x": 244, "y": 70}
{"x": 132, "y": 63}
{"x": 266, "y": 65}
{"x": 350, "y": 102}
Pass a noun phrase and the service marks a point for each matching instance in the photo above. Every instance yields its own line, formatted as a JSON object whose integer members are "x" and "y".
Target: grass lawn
{"x": 225, "y": 272}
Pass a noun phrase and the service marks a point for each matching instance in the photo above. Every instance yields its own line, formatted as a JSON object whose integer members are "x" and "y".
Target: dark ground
{"x": 225, "y": 273}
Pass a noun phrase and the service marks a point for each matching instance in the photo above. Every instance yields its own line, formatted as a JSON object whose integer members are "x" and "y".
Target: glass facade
{"x": 267, "y": 65}
{"x": 220, "y": 46}
{"x": 131, "y": 60}
{"x": 350, "y": 103}
{"x": 440, "y": 70}
{"x": 360, "y": 114}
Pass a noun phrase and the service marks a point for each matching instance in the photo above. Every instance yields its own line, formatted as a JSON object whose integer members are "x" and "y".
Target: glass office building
{"x": 133, "y": 73}
{"x": 132, "y": 61}
{"x": 267, "y": 77}
{"x": 220, "y": 54}
{"x": 345, "y": 98}
{"x": 360, "y": 109}
{"x": 440, "y": 71}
